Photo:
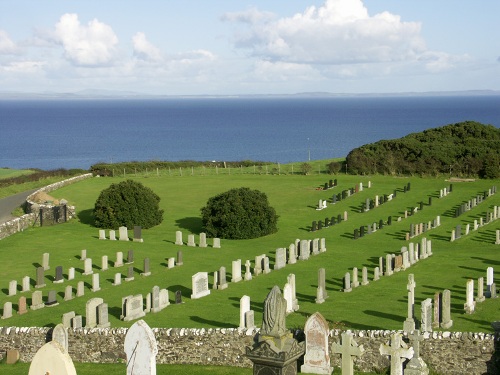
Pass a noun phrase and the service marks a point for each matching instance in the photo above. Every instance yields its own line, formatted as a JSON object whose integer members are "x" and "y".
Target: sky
{"x": 229, "y": 47}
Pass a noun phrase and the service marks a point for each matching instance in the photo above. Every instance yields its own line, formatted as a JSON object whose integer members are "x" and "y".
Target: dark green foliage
{"x": 462, "y": 149}
{"x": 334, "y": 167}
{"x": 306, "y": 168}
{"x": 239, "y": 214}
{"x": 127, "y": 203}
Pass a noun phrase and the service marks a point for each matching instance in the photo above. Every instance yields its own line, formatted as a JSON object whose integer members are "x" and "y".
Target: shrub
{"x": 239, "y": 214}
{"x": 306, "y": 168}
{"x": 127, "y": 203}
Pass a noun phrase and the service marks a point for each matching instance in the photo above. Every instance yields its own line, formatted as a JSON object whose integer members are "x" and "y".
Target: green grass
{"x": 380, "y": 305}
{"x": 9, "y": 173}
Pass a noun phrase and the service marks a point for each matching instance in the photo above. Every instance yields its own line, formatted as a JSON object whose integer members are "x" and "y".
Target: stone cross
{"x": 416, "y": 366}
{"x": 141, "y": 349}
{"x": 409, "y": 324}
{"x": 348, "y": 349}
{"x": 398, "y": 351}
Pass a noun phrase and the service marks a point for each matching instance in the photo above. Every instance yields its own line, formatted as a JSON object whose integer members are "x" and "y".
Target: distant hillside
{"x": 465, "y": 149}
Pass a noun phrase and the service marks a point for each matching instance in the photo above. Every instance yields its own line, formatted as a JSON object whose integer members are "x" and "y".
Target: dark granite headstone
{"x": 59, "y": 275}
{"x": 178, "y": 297}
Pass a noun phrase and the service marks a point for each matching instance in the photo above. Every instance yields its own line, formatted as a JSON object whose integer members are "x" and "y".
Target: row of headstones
{"x": 202, "y": 242}
{"x": 123, "y": 234}
{"x": 348, "y": 192}
{"x": 393, "y": 263}
{"x": 158, "y": 299}
{"x": 445, "y": 191}
{"x": 318, "y": 225}
{"x": 490, "y": 217}
{"x": 262, "y": 266}
{"x": 370, "y": 204}
{"x": 491, "y": 291}
{"x": 330, "y": 184}
{"x": 419, "y": 228}
{"x": 441, "y": 310}
{"x": 471, "y": 203}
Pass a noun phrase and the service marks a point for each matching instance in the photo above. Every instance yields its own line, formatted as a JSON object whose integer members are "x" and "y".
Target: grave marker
{"x": 51, "y": 358}
{"x": 317, "y": 357}
{"x": 398, "y": 351}
{"x": 141, "y": 349}
{"x": 123, "y": 234}
{"x": 348, "y": 349}
{"x": 200, "y": 285}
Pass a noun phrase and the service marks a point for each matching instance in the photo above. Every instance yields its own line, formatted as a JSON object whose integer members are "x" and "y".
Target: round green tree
{"x": 239, "y": 214}
{"x": 127, "y": 203}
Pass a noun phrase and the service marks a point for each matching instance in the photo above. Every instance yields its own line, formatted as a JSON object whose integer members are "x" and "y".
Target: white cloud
{"x": 93, "y": 44}
{"x": 144, "y": 49}
{"x": 339, "y": 32}
{"x": 250, "y": 16}
{"x": 7, "y": 46}
{"x": 23, "y": 67}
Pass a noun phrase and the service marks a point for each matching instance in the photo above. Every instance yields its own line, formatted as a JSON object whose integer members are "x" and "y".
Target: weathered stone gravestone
{"x": 104, "y": 263}
{"x": 409, "y": 324}
{"x": 102, "y": 315}
{"x": 132, "y": 308}
{"x": 91, "y": 312}
{"x": 280, "y": 261}
{"x": 426, "y": 315}
{"x": 291, "y": 281}
{"x": 199, "y": 282}
{"x": 112, "y": 235}
{"x": 235, "y": 271}
{"x": 102, "y": 234}
{"x": 138, "y": 234}
{"x": 178, "y": 238}
{"x": 141, "y": 349}
{"x": 398, "y": 351}
{"x": 40, "y": 277}
{"x": 216, "y": 243}
{"x": 45, "y": 261}
{"x": 88, "y": 267}
{"x": 416, "y": 365}
{"x": 66, "y": 319}
{"x": 123, "y": 234}
{"x": 12, "y": 288}
{"x": 60, "y": 335}
{"x": 317, "y": 357}
{"x": 221, "y": 277}
{"x": 470, "y": 304}
{"x": 203, "y": 240}
{"x": 68, "y": 293}
{"x": 22, "y": 309}
{"x": 275, "y": 351}
{"x": 52, "y": 359}
{"x": 146, "y": 269}
{"x": 26, "y": 284}
{"x": 7, "y": 310}
{"x": 191, "y": 240}
{"x": 244, "y": 313}
{"x": 348, "y": 349}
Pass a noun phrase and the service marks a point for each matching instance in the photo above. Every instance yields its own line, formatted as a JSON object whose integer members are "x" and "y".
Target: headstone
{"x": 119, "y": 259}
{"x": 40, "y": 277}
{"x": 248, "y": 272}
{"x": 388, "y": 265}
{"x": 80, "y": 289}
{"x": 244, "y": 308}
{"x": 130, "y": 256}
{"x": 203, "y": 240}
{"x": 266, "y": 267}
{"x": 95, "y": 283}
{"x": 37, "y": 300}
{"x": 200, "y": 285}
{"x": 216, "y": 243}
{"x": 45, "y": 261}
{"x": 180, "y": 261}
{"x": 287, "y": 294}
{"x": 178, "y": 297}
{"x": 490, "y": 279}
{"x": 12, "y": 288}
{"x": 88, "y": 267}
{"x": 348, "y": 349}
{"x": 416, "y": 365}
{"x": 141, "y": 349}
{"x": 470, "y": 304}
{"x": 426, "y": 315}
{"x": 60, "y": 335}
{"x": 132, "y": 308}
{"x": 51, "y": 358}
{"x": 376, "y": 274}
{"x": 138, "y": 233}
{"x": 68, "y": 293}
{"x": 178, "y": 238}
{"x": 347, "y": 282}
{"x": 66, "y": 319}
{"x": 317, "y": 357}
{"x": 292, "y": 254}
{"x": 26, "y": 284}
{"x": 171, "y": 263}
{"x": 221, "y": 275}
{"x": 102, "y": 234}
{"x": 398, "y": 351}
{"x": 91, "y": 312}
{"x": 291, "y": 282}
{"x": 130, "y": 274}
{"x": 304, "y": 250}
{"x": 235, "y": 271}
{"x": 12, "y": 356}
{"x": 447, "y": 322}
{"x": 102, "y": 316}
{"x": 112, "y": 235}
{"x": 83, "y": 254}
{"x": 409, "y": 324}
{"x": 22, "y": 306}
{"x": 145, "y": 268}
{"x": 104, "y": 263}
{"x": 76, "y": 322}
{"x": 364, "y": 276}
{"x": 51, "y": 299}
{"x": 355, "y": 279}
{"x": 123, "y": 234}
{"x": 7, "y": 310}
{"x": 59, "y": 275}
{"x": 280, "y": 260}
{"x": 117, "y": 279}
{"x": 191, "y": 240}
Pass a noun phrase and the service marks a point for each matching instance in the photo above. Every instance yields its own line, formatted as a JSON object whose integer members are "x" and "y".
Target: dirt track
{"x": 9, "y": 204}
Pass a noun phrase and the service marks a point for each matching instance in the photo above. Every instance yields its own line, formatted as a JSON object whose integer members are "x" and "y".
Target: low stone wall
{"x": 42, "y": 213}
{"x": 447, "y": 353}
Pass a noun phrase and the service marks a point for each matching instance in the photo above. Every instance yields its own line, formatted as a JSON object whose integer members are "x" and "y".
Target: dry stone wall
{"x": 447, "y": 353}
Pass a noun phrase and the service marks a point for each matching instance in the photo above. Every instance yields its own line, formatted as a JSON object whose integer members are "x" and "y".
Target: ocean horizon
{"x": 77, "y": 133}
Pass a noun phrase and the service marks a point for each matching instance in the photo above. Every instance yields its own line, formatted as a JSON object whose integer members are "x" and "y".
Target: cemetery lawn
{"x": 380, "y": 305}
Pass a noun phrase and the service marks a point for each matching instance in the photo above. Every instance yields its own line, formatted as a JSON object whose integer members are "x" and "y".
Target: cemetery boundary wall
{"x": 447, "y": 353}
{"x": 42, "y": 213}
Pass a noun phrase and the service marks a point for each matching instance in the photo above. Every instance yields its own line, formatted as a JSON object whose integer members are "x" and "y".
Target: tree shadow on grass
{"x": 115, "y": 311}
{"x": 487, "y": 261}
{"x": 211, "y": 322}
{"x": 192, "y": 224}
{"x": 86, "y": 217}
{"x": 383, "y": 315}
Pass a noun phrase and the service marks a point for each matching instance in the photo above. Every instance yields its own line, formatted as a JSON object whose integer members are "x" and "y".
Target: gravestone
{"x": 409, "y": 324}
{"x": 304, "y": 250}
{"x": 447, "y": 322}
{"x": 119, "y": 259}
{"x": 321, "y": 294}
{"x": 141, "y": 349}
{"x": 68, "y": 293}
{"x": 40, "y": 277}
{"x": 91, "y": 312}
{"x": 102, "y": 234}
{"x": 347, "y": 283}
{"x": 37, "y": 300}
{"x": 178, "y": 297}
{"x": 145, "y": 268}
{"x": 104, "y": 263}
{"x": 12, "y": 288}
{"x": 348, "y": 349}
{"x": 80, "y": 289}
{"x": 130, "y": 256}
{"x": 376, "y": 274}
{"x": 203, "y": 240}
{"x": 66, "y": 319}
{"x": 388, "y": 265}
{"x": 266, "y": 268}
{"x": 280, "y": 261}
{"x": 398, "y": 351}
{"x": 416, "y": 365}
{"x": 130, "y": 274}
{"x": 117, "y": 279}
{"x": 171, "y": 263}
{"x": 95, "y": 283}
{"x": 59, "y": 275}
{"x": 51, "y": 358}
{"x": 123, "y": 234}
{"x": 235, "y": 271}
{"x": 480, "y": 290}
{"x": 364, "y": 276}
{"x": 83, "y": 254}
{"x": 60, "y": 335}
{"x": 191, "y": 240}
{"x": 317, "y": 357}
{"x": 248, "y": 272}
{"x": 138, "y": 233}
{"x": 292, "y": 254}
{"x": 180, "y": 261}
{"x": 221, "y": 276}
{"x": 355, "y": 279}
{"x": 7, "y": 310}
{"x": 22, "y": 306}
{"x": 102, "y": 316}
{"x": 178, "y": 238}
{"x": 216, "y": 243}
{"x": 88, "y": 267}
{"x": 76, "y": 322}
{"x": 199, "y": 283}
{"x": 490, "y": 279}
{"x": 291, "y": 281}
{"x": 287, "y": 294}
{"x": 470, "y": 304}
{"x": 426, "y": 315}
{"x": 244, "y": 308}
{"x": 112, "y": 235}
{"x": 26, "y": 287}
{"x": 51, "y": 299}
{"x": 45, "y": 261}
{"x": 132, "y": 308}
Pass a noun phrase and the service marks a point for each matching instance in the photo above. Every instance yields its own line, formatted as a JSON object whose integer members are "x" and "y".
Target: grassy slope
{"x": 381, "y": 305}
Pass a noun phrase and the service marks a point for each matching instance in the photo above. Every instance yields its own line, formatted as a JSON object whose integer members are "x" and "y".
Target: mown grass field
{"x": 380, "y": 305}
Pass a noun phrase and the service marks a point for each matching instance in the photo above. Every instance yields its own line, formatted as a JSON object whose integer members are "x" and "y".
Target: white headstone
{"x": 123, "y": 233}
{"x": 200, "y": 285}
{"x": 317, "y": 356}
{"x": 236, "y": 271}
{"x": 141, "y": 349}
{"x": 52, "y": 359}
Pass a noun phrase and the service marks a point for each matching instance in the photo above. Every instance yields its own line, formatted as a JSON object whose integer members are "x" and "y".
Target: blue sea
{"x": 50, "y": 134}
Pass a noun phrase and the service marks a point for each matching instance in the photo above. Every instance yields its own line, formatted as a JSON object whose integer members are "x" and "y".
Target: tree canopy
{"x": 464, "y": 149}
{"x": 127, "y": 203}
{"x": 239, "y": 213}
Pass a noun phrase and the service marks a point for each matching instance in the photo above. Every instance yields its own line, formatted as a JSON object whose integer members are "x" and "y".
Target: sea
{"x": 77, "y": 133}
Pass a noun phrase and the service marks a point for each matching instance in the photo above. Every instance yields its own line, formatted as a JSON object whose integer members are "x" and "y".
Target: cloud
{"x": 7, "y": 46}
{"x": 93, "y": 44}
{"x": 145, "y": 50}
{"x": 339, "y": 32}
{"x": 250, "y": 16}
